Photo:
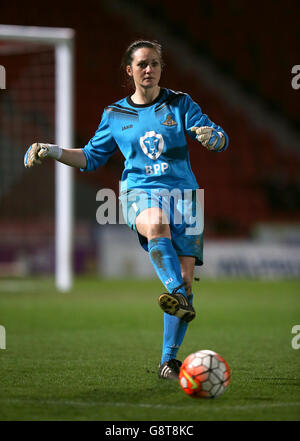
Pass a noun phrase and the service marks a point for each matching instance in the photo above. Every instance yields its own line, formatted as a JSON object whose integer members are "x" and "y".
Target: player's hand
{"x": 209, "y": 137}
{"x": 39, "y": 151}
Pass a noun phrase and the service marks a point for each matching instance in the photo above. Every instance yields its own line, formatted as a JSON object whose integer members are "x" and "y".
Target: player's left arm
{"x": 211, "y": 138}
{"x": 200, "y": 127}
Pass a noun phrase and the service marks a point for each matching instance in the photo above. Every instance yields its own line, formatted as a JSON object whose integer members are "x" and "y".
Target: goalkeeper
{"x": 150, "y": 127}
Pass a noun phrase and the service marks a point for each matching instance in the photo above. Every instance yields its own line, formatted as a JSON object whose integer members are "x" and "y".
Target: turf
{"x": 92, "y": 354}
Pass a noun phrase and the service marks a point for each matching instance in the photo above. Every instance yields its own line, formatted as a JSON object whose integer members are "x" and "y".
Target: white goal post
{"x": 62, "y": 39}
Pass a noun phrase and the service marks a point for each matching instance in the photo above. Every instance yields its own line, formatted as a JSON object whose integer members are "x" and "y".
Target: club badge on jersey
{"x": 169, "y": 121}
{"x": 152, "y": 144}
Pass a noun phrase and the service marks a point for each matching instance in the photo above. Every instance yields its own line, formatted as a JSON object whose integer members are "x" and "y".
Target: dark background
{"x": 251, "y": 46}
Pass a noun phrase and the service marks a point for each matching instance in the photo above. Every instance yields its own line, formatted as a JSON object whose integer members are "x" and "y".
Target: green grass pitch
{"x": 92, "y": 354}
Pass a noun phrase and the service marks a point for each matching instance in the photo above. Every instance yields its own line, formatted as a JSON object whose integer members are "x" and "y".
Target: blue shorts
{"x": 184, "y": 213}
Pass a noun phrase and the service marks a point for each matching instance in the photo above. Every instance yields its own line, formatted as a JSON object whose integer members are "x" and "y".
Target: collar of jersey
{"x": 131, "y": 103}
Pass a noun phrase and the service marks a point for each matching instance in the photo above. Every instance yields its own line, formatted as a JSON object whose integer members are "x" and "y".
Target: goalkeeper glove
{"x": 210, "y": 137}
{"x": 39, "y": 151}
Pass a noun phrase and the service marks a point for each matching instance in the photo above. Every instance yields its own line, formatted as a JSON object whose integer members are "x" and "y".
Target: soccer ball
{"x": 204, "y": 374}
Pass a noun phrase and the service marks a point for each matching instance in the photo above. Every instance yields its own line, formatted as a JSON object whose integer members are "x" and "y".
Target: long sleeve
{"x": 195, "y": 118}
{"x": 100, "y": 147}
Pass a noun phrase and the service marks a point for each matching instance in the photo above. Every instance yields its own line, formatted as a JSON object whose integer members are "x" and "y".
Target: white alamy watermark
{"x": 296, "y": 340}
{"x": 2, "y": 337}
{"x": 180, "y": 207}
{"x": 2, "y": 77}
{"x": 296, "y": 79}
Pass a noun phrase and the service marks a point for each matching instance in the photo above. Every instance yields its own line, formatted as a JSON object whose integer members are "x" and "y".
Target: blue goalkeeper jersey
{"x": 152, "y": 138}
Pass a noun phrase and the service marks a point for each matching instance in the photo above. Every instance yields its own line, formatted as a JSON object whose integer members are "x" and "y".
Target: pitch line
{"x": 148, "y": 405}
{"x": 20, "y": 285}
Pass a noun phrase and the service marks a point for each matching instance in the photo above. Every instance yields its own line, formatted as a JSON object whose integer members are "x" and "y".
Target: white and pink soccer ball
{"x": 204, "y": 374}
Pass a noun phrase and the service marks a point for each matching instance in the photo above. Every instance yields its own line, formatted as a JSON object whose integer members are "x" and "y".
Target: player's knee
{"x": 153, "y": 223}
{"x": 158, "y": 230}
{"x": 158, "y": 225}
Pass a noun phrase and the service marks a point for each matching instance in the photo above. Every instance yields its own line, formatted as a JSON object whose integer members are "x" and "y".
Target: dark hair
{"x": 138, "y": 44}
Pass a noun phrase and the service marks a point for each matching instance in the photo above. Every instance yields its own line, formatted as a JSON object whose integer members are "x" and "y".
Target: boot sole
{"x": 170, "y": 305}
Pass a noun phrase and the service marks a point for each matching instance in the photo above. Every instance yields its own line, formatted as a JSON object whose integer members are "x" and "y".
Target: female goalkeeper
{"x": 158, "y": 188}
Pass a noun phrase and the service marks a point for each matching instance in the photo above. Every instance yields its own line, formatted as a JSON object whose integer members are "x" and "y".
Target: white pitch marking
{"x": 148, "y": 405}
{"x": 16, "y": 286}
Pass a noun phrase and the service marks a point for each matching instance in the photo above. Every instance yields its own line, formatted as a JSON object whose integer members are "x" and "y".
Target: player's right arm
{"x": 93, "y": 155}
{"x": 39, "y": 151}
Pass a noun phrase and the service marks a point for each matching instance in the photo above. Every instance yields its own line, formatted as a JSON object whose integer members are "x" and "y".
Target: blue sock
{"x": 170, "y": 337}
{"x": 174, "y": 333}
{"x": 167, "y": 266}
{"x": 166, "y": 263}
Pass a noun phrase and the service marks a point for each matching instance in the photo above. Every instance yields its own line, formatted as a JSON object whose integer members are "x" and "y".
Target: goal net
{"x": 36, "y": 104}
